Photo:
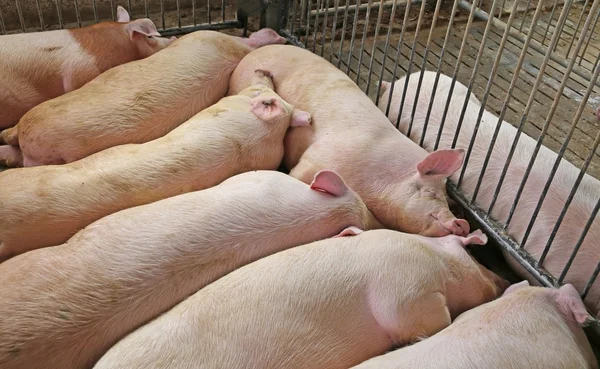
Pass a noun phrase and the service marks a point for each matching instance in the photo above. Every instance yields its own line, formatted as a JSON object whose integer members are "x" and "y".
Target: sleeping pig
{"x": 581, "y": 207}
{"x": 402, "y": 185}
{"x": 64, "y": 306}
{"x": 327, "y": 305}
{"x": 39, "y": 66}
{"x": 44, "y": 206}
{"x": 132, "y": 103}
{"x": 527, "y": 328}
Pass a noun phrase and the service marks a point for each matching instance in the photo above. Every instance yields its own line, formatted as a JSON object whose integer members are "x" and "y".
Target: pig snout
{"x": 452, "y": 225}
{"x": 265, "y": 36}
{"x": 300, "y": 118}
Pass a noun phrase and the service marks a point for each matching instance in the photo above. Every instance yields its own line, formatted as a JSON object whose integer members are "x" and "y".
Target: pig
{"x": 39, "y": 66}
{"x": 527, "y": 328}
{"x": 132, "y": 103}
{"x": 76, "y": 300}
{"x": 578, "y": 213}
{"x": 402, "y": 185}
{"x": 330, "y": 304}
{"x": 46, "y": 205}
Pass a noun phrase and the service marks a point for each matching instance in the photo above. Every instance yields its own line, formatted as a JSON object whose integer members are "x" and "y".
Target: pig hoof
{"x": 265, "y": 73}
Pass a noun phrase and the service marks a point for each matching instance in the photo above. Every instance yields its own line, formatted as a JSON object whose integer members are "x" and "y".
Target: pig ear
{"x": 140, "y": 28}
{"x": 514, "y": 287}
{"x": 266, "y": 107}
{"x": 349, "y": 231}
{"x": 329, "y": 182}
{"x": 475, "y": 238}
{"x": 122, "y": 15}
{"x": 300, "y": 118}
{"x": 441, "y": 163}
{"x": 568, "y": 298}
{"x": 384, "y": 86}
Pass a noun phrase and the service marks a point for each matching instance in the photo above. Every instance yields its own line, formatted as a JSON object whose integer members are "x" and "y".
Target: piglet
{"x": 581, "y": 207}
{"x": 402, "y": 185}
{"x": 39, "y": 66}
{"x": 64, "y": 306}
{"x": 527, "y": 328}
{"x": 132, "y": 103}
{"x": 44, "y": 206}
{"x": 327, "y": 305}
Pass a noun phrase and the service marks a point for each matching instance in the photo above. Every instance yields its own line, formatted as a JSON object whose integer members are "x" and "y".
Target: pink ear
{"x": 349, "y": 231}
{"x": 441, "y": 163}
{"x": 266, "y": 108}
{"x": 329, "y": 182}
{"x": 141, "y": 27}
{"x": 474, "y": 238}
{"x": 122, "y": 15}
{"x": 384, "y": 86}
{"x": 568, "y": 298}
{"x": 515, "y": 287}
{"x": 300, "y": 118}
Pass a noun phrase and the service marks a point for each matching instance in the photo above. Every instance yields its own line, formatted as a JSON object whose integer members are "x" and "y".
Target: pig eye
{"x": 150, "y": 36}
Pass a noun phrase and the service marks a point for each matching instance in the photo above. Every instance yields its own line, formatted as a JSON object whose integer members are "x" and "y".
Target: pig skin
{"x": 401, "y": 185}
{"x": 64, "y": 306}
{"x": 134, "y": 102}
{"x": 330, "y": 304}
{"x": 579, "y": 211}
{"x": 39, "y": 66}
{"x": 530, "y": 328}
{"x": 44, "y": 206}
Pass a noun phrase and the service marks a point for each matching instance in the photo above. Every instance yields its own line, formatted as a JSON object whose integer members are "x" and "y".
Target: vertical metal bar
{"x": 129, "y": 6}
{"x": 294, "y": 5}
{"x": 436, "y": 14}
{"x": 550, "y": 20}
{"x": 590, "y": 282}
{"x": 336, "y": 5}
{"x": 505, "y": 104}
{"x": 324, "y": 28}
{"x": 194, "y": 13}
{"x": 77, "y": 13}
{"x": 463, "y": 46}
{"x": 303, "y": 12}
{"x": 351, "y": 50}
{"x": 534, "y": 90}
{"x": 585, "y": 229}
{"x": 112, "y": 10}
{"x": 437, "y": 78}
{"x": 339, "y": 62}
{"x": 307, "y": 22}
{"x": 208, "y": 11}
{"x": 385, "y": 51}
{"x": 577, "y": 27}
{"x": 59, "y": 13}
{"x": 410, "y": 63}
{"x": 501, "y": 9}
{"x": 364, "y": 38}
{"x": 147, "y": 11}
{"x": 525, "y": 16}
{"x": 162, "y": 13}
{"x": 562, "y": 149}
{"x": 314, "y": 45}
{"x": 2, "y": 25}
{"x": 178, "y": 14}
{"x": 398, "y": 53}
{"x": 20, "y": 14}
{"x": 95, "y": 9}
{"x": 560, "y": 29}
{"x": 589, "y": 38}
{"x": 39, "y": 10}
{"x": 223, "y": 10}
{"x": 377, "y": 28}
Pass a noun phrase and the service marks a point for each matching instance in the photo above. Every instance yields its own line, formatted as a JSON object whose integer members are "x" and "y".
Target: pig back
{"x": 135, "y": 102}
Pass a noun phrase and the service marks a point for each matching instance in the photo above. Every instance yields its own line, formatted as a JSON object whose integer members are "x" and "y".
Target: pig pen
{"x": 534, "y": 64}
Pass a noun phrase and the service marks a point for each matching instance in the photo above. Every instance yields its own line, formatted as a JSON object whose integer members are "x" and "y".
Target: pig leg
{"x": 11, "y": 156}
{"x": 9, "y": 136}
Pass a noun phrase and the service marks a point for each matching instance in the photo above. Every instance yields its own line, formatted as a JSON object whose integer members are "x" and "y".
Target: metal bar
{"x": 314, "y": 43}
{"x": 20, "y": 14}
{"x": 398, "y": 53}
{"x": 162, "y": 13}
{"x": 112, "y": 9}
{"x": 561, "y": 27}
{"x": 307, "y": 22}
{"x": 550, "y": 20}
{"x": 324, "y": 31}
{"x": 339, "y": 62}
{"x": 333, "y": 29}
{"x": 208, "y": 11}
{"x": 40, "y": 14}
{"x": 293, "y": 15}
{"x": 223, "y": 10}
{"x": 291, "y": 38}
{"x": 589, "y": 38}
{"x": 410, "y": 63}
{"x": 59, "y": 13}
{"x": 362, "y": 43}
{"x": 147, "y": 11}
{"x": 458, "y": 64}
{"x": 2, "y": 25}
{"x": 590, "y": 282}
{"x": 538, "y": 80}
{"x": 194, "y": 22}
{"x": 352, "y": 8}
{"x": 507, "y": 98}
{"x": 352, "y": 39}
{"x": 437, "y": 79}
{"x": 178, "y": 13}
{"x": 436, "y": 14}
{"x": 577, "y": 28}
{"x": 385, "y": 52}
{"x": 525, "y": 15}
{"x": 377, "y": 28}
{"x": 303, "y": 11}
{"x": 202, "y": 27}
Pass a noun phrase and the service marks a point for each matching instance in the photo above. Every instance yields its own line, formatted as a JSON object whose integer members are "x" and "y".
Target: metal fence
{"x": 534, "y": 65}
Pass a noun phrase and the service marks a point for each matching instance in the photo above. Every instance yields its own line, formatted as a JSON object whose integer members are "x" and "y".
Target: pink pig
{"x": 132, "y": 103}
{"x": 402, "y": 185}
{"x": 327, "y": 305}
{"x": 64, "y": 306}
{"x": 44, "y": 206}
{"x": 527, "y": 328}
{"x": 579, "y": 211}
{"x": 39, "y": 66}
